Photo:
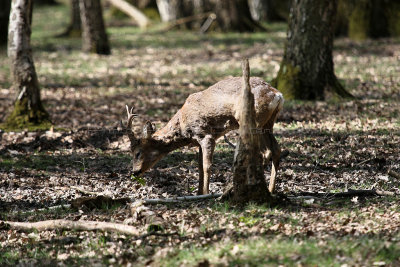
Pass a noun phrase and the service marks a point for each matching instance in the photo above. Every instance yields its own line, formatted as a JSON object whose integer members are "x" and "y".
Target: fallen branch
{"x": 132, "y": 12}
{"x": 181, "y": 21}
{"x": 350, "y": 193}
{"x": 179, "y": 199}
{"x": 71, "y": 225}
{"x": 394, "y": 174}
{"x": 83, "y": 191}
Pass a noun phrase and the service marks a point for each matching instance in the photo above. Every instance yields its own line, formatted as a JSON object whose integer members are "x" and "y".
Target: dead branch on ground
{"x": 71, "y": 225}
{"x": 180, "y": 199}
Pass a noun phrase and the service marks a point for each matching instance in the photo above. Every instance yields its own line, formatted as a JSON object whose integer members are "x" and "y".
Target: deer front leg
{"x": 206, "y": 151}
{"x": 201, "y": 171}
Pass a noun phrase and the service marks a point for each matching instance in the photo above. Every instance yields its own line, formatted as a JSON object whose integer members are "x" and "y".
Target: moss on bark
{"x": 393, "y": 16}
{"x": 22, "y": 117}
{"x": 288, "y": 80}
{"x": 359, "y": 20}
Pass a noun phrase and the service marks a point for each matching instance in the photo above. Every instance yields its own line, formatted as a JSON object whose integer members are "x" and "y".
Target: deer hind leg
{"x": 276, "y": 155}
{"x": 206, "y": 151}
{"x": 270, "y": 149}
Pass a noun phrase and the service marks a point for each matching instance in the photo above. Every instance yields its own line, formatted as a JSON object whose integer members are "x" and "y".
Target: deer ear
{"x": 148, "y": 129}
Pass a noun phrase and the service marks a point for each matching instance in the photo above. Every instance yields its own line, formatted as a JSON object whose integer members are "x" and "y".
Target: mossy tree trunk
{"x": 306, "y": 71}
{"x": 373, "y": 19}
{"x": 28, "y": 109}
{"x": 75, "y": 27}
{"x": 5, "y": 6}
{"x": 94, "y": 36}
{"x": 248, "y": 173}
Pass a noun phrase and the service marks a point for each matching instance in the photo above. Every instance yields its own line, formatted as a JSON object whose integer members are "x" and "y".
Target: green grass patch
{"x": 269, "y": 251}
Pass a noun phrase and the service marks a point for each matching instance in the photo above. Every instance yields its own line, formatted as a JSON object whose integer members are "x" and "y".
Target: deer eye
{"x": 137, "y": 155}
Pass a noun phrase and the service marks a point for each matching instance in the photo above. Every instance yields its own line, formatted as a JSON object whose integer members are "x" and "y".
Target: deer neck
{"x": 170, "y": 136}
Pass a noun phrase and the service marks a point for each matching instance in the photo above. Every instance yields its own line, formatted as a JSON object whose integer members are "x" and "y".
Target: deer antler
{"x": 131, "y": 115}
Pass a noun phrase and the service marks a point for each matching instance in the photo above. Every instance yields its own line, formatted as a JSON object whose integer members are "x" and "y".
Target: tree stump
{"x": 248, "y": 175}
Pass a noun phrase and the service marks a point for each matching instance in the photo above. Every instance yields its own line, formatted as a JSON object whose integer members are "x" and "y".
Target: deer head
{"x": 145, "y": 150}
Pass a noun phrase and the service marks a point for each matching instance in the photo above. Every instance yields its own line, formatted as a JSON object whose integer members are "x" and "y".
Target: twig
{"x": 71, "y": 225}
{"x": 350, "y": 193}
{"x": 181, "y": 21}
{"x": 179, "y": 199}
{"x": 229, "y": 142}
{"x": 364, "y": 161}
{"x": 156, "y": 234}
{"x": 79, "y": 189}
{"x": 394, "y": 174}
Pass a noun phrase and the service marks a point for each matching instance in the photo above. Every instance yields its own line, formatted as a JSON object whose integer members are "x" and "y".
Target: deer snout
{"x": 137, "y": 173}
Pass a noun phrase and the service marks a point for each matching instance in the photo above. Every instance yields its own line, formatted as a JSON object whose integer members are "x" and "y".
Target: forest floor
{"x": 331, "y": 146}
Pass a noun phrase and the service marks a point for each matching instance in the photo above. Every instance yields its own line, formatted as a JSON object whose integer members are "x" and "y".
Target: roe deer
{"x": 204, "y": 117}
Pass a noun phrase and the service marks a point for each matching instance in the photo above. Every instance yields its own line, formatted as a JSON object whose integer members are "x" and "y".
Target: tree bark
{"x": 306, "y": 71}
{"x": 28, "y": 109}
{"x": 75, "y": 27}
{"x": 5, "y": 6}
{"x": 45, "y": 2}
{"x": 269, "y": 10}
{"x": 94, "y": 35}
{"x": 248, "y": 175}
{"x": 234, "y": 16}
{"x": 170, "y": 10}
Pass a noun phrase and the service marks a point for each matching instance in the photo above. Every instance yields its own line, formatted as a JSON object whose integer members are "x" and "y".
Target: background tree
{"x": 94, "y": 36}
{"x": 170, "y": 9}
{"x": 75, "y": 27}
{"x": 269, "y": 10}
{"x": 45, "y": 2}
{"x": 28, "y": 108}
{"x": 5, "y": 6}
{"x": 364, "y": 19}
{"x": 306, "y": 70}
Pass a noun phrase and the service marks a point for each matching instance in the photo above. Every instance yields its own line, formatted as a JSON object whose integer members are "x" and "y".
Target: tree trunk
{"x": 234, "y": 16}
{"x": 306, "y": 70}
{"x": 364, "y": 19}
{"x": 132, "y": 12}
{"x": 75, "y": 27}
{"x": 5, "y": 6}
{"x": 269, "y": 10}
{"x": 170, "y": 10}
{"x": 94, "y": 35}
{"x": 28, "y": 110}
{"x": 248, "y": 174}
